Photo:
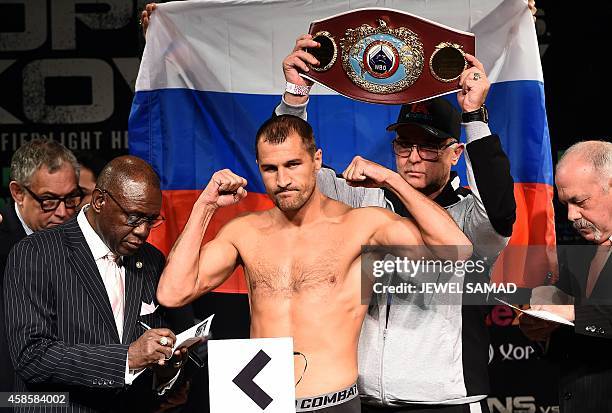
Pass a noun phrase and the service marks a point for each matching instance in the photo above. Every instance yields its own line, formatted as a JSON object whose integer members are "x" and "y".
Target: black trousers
{"x": 460, "y": 408}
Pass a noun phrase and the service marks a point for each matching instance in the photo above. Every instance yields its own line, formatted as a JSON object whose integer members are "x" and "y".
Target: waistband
{"x": 326, "y": 400}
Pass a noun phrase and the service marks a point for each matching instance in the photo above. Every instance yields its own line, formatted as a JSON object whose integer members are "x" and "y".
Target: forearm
{"x": 54, "y": 362}
{"x": 179, "y": 281}
{"x": 435, "y": 224}
{"x": 489, "y": 179}
{"x": 292, "y": 105}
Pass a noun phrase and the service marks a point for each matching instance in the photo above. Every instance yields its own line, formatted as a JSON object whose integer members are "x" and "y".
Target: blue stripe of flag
{"x": 187, "y": 135}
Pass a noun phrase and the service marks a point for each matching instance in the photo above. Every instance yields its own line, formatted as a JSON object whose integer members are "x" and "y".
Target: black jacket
{"x": 11, "y": 232}
{"x": 60, "y": 325}
{"x": 584, "y": 351}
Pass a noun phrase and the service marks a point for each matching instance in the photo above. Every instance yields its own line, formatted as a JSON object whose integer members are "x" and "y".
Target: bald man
{"x": 75, "y": 294}
{"x": 584, "y": 184}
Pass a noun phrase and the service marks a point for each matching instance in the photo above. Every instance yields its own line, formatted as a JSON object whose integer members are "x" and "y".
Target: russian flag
{"x": 211, "y": 75}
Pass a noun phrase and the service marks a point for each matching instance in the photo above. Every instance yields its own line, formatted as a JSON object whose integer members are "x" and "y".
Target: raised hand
{"x": 362, "y": 172}
{"x": 225, "y": 188}
{"x": 474, "y": 85}
{"x": 297, "y": 62}
{"x": 145, "y": 16}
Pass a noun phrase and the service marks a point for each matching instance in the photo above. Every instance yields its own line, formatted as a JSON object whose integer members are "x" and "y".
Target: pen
{"x": 146, "y": 327}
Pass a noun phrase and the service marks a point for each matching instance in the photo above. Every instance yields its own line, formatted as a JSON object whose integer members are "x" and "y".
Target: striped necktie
{"x": 114, "y": 281}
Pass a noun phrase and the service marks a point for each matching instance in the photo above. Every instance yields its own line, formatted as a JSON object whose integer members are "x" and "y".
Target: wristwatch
{"x": 481, "y": 115}
{"x": 297, "y": 89}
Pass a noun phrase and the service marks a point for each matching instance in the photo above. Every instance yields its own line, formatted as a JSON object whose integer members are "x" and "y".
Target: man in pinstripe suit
{"x": 74, "y": 295}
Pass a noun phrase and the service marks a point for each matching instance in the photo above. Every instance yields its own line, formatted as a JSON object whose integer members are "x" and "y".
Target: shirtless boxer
{"x": 301, "y": 258}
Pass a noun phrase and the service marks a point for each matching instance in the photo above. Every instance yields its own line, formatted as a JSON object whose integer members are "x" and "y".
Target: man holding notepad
{"x": 584, "y": 184}
{"x": 75, "y": 295}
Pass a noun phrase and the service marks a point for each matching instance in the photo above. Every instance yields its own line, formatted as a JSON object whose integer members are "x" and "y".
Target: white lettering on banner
{"x": 7, "y": 118}
{"x": 64, "y": 16}
{"x": 105, "y": 15}
{"x": 98, "y": 71}
{"x": 518, "y": 404}
{"x": 102, "y": 91}
{"x": 515, "y": 353}
{"x": 73, "y": 140}
{"x": 35, "y": 31}
{"x": 119, "y": 139}
{"x": 128, "y": 67}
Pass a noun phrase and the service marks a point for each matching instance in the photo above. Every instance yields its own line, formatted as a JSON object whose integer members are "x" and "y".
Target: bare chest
{"x": 290, "y": 263}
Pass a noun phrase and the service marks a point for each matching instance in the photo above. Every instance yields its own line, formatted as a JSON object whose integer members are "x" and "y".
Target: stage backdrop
{"x": 211, "y": 74}
{"x": 67, "y": 72}
{"x": 68, "y": 68}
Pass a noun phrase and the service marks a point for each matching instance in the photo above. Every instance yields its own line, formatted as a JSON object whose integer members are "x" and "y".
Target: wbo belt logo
{"x": 381, "y": 59}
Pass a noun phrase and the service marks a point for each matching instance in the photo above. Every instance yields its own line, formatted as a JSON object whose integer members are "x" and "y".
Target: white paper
{"x": 544, "y": 315}
{"x": 194, "y": 334}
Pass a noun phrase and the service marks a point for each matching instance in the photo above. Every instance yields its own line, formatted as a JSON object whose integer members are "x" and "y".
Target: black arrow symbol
{"x": 244, "y": 380}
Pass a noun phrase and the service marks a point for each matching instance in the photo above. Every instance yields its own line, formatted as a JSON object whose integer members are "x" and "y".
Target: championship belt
{"x": 388, "y": 56}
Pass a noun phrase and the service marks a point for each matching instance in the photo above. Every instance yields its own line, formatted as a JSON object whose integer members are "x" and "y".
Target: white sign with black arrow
{"x": 251, "y": 376}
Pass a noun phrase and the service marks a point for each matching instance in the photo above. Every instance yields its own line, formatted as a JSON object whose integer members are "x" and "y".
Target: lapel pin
{"x": 139, "y": 264}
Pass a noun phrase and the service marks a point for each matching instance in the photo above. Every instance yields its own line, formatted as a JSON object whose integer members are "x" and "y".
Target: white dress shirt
{"x": 27, "y": 229}
{"x": 99, "y": 251}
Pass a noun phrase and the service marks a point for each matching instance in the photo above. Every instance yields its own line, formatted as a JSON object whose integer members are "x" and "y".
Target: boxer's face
{"x": 588, "y": 197}
{"x": 288, "y": 171}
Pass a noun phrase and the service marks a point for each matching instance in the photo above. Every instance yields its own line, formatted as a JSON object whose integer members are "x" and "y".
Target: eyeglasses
{"x": 51, "y": 204}
{"x": 426, "y": 152}
{"x": 136, "y": 220}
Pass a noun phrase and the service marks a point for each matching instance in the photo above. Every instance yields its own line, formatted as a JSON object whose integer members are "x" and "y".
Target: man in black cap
{"x": 422, "y": 354}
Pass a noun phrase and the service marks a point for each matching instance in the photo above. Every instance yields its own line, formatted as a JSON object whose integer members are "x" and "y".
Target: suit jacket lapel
{"x": 133, "y": 292}
{"x": 11, "y": 229}
{"x": 11, "y": 220}
{"x": 85, "y": 267}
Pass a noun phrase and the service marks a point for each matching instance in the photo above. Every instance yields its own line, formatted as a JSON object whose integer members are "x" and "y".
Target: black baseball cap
{"x": 436, "y": 116}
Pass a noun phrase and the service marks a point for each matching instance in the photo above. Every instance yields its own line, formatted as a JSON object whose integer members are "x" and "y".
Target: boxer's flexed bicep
{"x": 402, "y": 232}
{"x": 391, "y": 229}
{"x": 218, "y": 258}
{"x": 191, "y": 269}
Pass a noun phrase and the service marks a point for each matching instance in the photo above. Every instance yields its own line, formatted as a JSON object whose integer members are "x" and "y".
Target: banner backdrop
{"x": 67, "y": 72}
{"x": 211, "y": 74}
{"x": 68, "y": 69}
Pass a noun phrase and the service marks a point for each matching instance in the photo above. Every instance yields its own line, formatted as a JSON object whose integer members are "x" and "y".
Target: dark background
{"x": 88, "y": 111}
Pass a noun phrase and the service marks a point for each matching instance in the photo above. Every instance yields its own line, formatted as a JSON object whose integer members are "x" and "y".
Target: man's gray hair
{"x": 597, "y": 153}
{"x": 39, "y": 153}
